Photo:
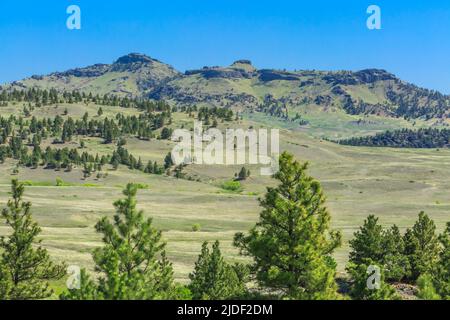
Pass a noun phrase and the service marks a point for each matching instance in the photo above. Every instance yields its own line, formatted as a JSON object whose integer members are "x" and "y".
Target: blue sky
{"x": 414, "y": 42}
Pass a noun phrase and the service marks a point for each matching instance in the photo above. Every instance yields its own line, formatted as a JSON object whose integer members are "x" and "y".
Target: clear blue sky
{"x": 315, "y": 34}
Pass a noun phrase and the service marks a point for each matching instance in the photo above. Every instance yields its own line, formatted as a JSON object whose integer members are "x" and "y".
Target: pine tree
{"x": 441, "y": 275}
{"x": 87, "y": 289}
{"x": 168, "y": 161}
{"x": 5, "y": 282}
{"x": 132, "y": 264}
{"x": 395, "y": 262}
{"x": 29, "y": 268}
{"x": 361, "y": 278}
{"x": 243, "y": 174}
{"x": 427, "y": 291}
{"x": 367, "y": 242}
{"x": 292, "y": 243}
{"x": 422, "y": 247}
{"x": 215, "y": 279}
{"x": 385, "y": 248}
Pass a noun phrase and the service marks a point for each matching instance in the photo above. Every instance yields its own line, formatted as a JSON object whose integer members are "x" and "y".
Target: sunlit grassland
{"x": 394, "y": 184}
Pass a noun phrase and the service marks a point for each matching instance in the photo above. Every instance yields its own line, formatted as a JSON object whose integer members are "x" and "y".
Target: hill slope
{"x": 131, "y": 75}
{"x": 242, "y": 87}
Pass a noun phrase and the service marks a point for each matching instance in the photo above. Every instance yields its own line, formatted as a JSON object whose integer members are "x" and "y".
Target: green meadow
{"x": 394, "y": 184}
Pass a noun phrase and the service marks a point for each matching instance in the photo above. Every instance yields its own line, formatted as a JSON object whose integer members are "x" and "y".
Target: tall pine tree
{"x": 422, "y": 247}
{"x": 369, "y": 284}
{"x": 384, "y": 248}
{"x": 132, "y": 264}
{"x": 5, "y": 283}
{"x": 292, "y": 243}
{"x": 215, "y": 279}
{"x": 442, "y": 273}
{"x": 26, "y": 263}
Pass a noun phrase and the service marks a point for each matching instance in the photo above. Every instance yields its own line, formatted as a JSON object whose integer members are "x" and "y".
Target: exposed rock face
{"x": 211, "y": 73}
{"x": 374, "y": 75}
{"x": 272, "y": 75}
{"x": 360, "y": 77}
{"x": 96, "y": 70}
{"x": 237, "y": 62}
{"x": 134, "y": 58}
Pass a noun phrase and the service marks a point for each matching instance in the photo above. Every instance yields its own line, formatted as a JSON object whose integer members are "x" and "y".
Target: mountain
{"x": 131, "y": 75}
{"x": 242, "y": 86}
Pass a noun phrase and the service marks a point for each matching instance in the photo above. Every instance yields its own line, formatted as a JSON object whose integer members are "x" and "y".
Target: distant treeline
{"x": 405, "y": 138}
{"x": 37, "y": 98}
{"x": 23, "y": 137}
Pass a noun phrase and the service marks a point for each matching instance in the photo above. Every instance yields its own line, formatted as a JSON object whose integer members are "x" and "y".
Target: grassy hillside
{"x": 243, "y": 87}
{"x": 130, "y": 75}
{"x": 391, "y": 183}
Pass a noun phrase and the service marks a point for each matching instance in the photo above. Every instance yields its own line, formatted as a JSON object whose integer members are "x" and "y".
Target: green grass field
{"x": 394, "y": 184}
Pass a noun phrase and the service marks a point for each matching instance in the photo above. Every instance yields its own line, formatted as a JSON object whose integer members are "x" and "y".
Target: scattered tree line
{"x": 419, "y": 256}
{"x": 36, "y": 98}
{"x": 404, "y": 138}
{"x": 209, "y": 116}
{"x": 67, "y": 159}
{"x": 290, "y": 247}
{"x": 22, "y": 140}
{"x": 64, "y": 130}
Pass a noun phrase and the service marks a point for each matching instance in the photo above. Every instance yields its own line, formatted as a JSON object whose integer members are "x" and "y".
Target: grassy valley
{"x": 64, "y": 135}
{"x": 394, "y": 184}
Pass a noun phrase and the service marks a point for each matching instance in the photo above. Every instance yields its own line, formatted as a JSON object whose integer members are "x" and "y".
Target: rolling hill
{"x": 243, "y": 87}
{"x": 69, "y": 198}
{"x": 130, "y": 75}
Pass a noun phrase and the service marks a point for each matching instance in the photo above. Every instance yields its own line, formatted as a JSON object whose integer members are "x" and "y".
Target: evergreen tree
{"x": 168, "y": 161}
{"x": 29, "y": 268}
{"x": 422, "y": 247}
{"x": 395, "y": 262}
{"x": 87, "y": 289}
{"x": 364, "y": 287}
{"x": 367, "y": 242}
{"x": 243, "y": 174}
{"x": 442, "y": 272}
{"x": 5, "y": 282}
{"x": 166, "y": 133}
{"x": 132, "y": 264}
{"x": 215, "y": 279}
{"x": 385, "y": 248}
{"x": 427, "y": 291}
{"x": 292, "y": 243}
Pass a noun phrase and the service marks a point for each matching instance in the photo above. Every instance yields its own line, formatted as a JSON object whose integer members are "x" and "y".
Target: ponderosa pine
{"x": 28, "y": 266}
{"x": 132, "y": 264}
{"x": 422, "y": 247}
{"x": 215, "y": 279}
{"x": 292, "y": 243}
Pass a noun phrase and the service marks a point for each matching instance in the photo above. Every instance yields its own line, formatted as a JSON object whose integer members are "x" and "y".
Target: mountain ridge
{"x": 242, "y": 86}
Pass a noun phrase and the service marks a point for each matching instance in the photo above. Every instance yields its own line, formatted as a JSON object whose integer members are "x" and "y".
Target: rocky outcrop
{"x": 360, "y": 77}
{"x": 272, "y": 75}
{"x": 93, "y": 71}
{"x": 211, "y": 73}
